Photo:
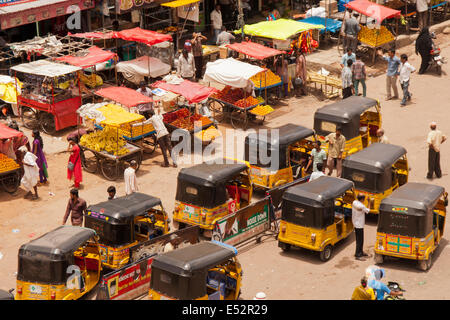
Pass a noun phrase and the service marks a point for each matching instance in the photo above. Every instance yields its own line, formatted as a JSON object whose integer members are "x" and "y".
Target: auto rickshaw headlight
{"x": 313, "y": 237}
{"x": 283, "y": 228}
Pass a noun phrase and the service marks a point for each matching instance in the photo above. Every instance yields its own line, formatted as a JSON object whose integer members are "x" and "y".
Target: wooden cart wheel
{"x": 110, "y": 169}
{"x": 89, "y": 161}
{"x": 11, "y": 182}
{"x": 217, "y": 109}
{"x": 29, "y": 118}
{"x": 149, "y": 144}
{"x": 47, "y": 123}
{"x": 239, "y": 119}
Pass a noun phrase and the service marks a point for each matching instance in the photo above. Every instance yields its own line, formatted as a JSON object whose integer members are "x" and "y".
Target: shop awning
{"x": 8, "y": 133}
{"x": 330, "y": 25}
{"x": 45, "y": 68}
{"x": 92, "y": 35}
{"x": 144, "y": 36}
{"x": 373, "y": 10}
{"x": 31, "y": 12}
{"x": 280, "y": 29}
{"x": 254, "y": 50}
{"x": 192, "y": 91}
{"x": 178, "y": 3}
{"x": 94, "y": 55}
{"x": 231, "y": 72}
{"x": 123, "y": 95}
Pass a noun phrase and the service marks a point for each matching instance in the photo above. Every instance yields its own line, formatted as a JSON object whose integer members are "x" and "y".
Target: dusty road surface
{"x": 298, "y": 274}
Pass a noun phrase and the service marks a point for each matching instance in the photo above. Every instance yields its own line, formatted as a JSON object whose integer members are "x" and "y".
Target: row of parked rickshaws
{"x": 314, "y": 215}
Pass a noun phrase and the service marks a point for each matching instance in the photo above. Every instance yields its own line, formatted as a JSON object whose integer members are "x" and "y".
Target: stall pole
{"x": 37, "y": 28}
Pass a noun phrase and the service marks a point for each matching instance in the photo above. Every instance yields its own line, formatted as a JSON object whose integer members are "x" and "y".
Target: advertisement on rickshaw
{"x": 244, "y": 224}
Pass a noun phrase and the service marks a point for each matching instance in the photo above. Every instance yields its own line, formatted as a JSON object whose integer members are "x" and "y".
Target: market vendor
{"x": 351, "y": 30}
{"x": 197, "y": 51}
{"x": 145, "y": 108}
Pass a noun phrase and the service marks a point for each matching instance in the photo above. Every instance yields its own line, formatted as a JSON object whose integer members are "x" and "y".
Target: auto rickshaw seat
{"x": 232, "y": 192}
{"x": 88, "y": 263}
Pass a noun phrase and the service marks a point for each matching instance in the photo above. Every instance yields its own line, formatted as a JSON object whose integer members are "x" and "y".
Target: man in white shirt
{"x": 162, "y": 136}
{"x": 317, "y": 174}
{"x": 434, "y": 140}
{"x": 359, "y": 211}
{"x": 216, "y": 20}
{"x": 129, "y": 176}
{"x": 145, "y": 107}
{"x": 224, "y": 37}
{"x": 405, "y": 73}
{"x": 381, "y": 137}
{"x": 186, "y": 65}
{"x": 422, "y": 12}
{"x": 31, "y": 173}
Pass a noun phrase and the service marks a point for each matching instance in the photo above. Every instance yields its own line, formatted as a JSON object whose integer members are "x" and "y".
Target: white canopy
{"x": 231, "y": 72}
{"x": 135, "y": 70}
{"x": 45, "y": 68}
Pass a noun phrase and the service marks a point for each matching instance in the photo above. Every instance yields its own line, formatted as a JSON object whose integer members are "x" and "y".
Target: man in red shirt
{"x": 76, "y": 207}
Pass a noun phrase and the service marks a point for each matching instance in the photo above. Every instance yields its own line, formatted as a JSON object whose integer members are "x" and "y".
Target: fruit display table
{"x": 9, "y": 174}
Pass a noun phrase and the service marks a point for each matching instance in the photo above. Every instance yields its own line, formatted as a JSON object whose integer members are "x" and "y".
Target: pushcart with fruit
{"x": 10, "y": 171}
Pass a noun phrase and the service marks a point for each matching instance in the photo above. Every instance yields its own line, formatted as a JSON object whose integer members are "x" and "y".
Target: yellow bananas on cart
{"x": 107, "y": 140}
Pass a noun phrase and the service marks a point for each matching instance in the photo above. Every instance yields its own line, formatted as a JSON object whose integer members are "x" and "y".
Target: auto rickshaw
{"x": 358, "y": 117}
{"x": 376, "y": 171}
{"x": 63, "y": 264}
{"x": 208, "y": 270}
{"x": 124, "y": 222}
{"x": 316, "y": 215}
{"x": 208, "y": 192}
{"x": 411, "y": 223}
{"x": 293, "y": 144}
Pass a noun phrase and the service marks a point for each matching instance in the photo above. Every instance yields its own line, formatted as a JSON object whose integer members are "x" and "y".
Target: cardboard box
{"x": 329, "y": 5}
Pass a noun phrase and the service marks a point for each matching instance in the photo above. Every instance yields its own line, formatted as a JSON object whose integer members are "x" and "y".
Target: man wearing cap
{"x": 129, "y": 176}
{"x": 434, "y": 140}
{"x": 336, "y": 146}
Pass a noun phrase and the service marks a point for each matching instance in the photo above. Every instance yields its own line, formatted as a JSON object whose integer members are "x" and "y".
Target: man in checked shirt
{"x": 359, "y": 74}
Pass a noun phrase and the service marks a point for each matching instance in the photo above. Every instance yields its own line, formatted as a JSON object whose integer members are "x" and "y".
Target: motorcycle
{"x": 394, "y": 286}
{"x": 436, "y": 59}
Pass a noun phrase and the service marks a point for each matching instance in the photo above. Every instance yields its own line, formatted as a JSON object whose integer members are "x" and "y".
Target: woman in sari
{"x": 38, "y": 146}
{"x": 74, "y": 165}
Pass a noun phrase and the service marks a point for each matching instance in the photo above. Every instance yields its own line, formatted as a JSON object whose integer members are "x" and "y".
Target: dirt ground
{"x": 298, "y": 274}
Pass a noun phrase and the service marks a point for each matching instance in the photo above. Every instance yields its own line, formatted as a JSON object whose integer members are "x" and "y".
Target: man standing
{"x": 434, "y": 140}
{"x": 224, "y": 37}
{"x": 163, "y": 139}
{"x": 336, "y": 147}
{"x": 359, "y": 75}
{"x": 318, "y": 156}
{"x": 31, "y": 172}
{"x": 129, "y": 176}
{"x": 359, "y": 211}
{"x": 145, "y": 107}
{"x": 351, "y": 30}
{"x": 300, "y": 73}
{"x": 347, "y": 80}
{"x": 392, "y": 74}
{"x": 349, "y": 55}
{"x": 216, "y": 20}
{"x": 381, "y": 137}
{"x": 76, "y": 207}
{"x": 422, "y": 12}
{"x": 197, "y": 51}
{"x": 405, "y": 73}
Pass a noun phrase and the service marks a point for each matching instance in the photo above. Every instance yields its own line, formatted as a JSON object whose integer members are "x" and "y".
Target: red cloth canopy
{"x": 95, "y": 55}
{"x": 140, "y": 35}
{"x": 8, "y": 133}
{"x": 373, "y": 10}
{"x": 192, "y": 91}
{"x": 92, "y": 35}
{"x": 254, "y": 50}
{"x": 123, "y": 95}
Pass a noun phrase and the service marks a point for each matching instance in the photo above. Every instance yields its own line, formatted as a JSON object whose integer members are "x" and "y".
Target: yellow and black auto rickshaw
{"x": 63, "y": 264}
{"x": 208, "y": 192}
{"x": 376, "y": 171}
{"x": 208, "y": 270}
{"x": 123, "y": 222}
{"x": 358, "y": 117}
{"x": 411, "y": 223}
{"x": 291, "y": 145}
{"x": 316, "y": 215}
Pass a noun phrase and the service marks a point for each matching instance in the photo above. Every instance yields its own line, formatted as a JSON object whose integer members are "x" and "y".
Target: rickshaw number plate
{"x": 35, "y": 289}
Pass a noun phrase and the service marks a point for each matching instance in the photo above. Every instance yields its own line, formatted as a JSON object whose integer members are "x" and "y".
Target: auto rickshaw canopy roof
{"x": 200, "y": 256}
{"x": 58, "y": 242}
{"x": 413, "y": 198}
{"x": 126, "y": 207}
{"x": 209, "y": 175}
{"x": 343, "y": 111}
{"x": 287, "y": 134}
{"x": 318, "y": 192}
{"x": 375, "y": 158}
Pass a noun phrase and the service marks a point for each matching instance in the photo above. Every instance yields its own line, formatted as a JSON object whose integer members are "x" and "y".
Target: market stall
{"x": 106, "y": 148}
{"x": 9, "y": 91}
{"x": 373, "y": 36}
{"x": 50, "y": 95}
{"x": 9, "y": 168}
{"x": 235, "y": 102}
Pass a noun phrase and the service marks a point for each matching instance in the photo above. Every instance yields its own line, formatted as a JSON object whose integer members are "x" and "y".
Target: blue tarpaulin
{"x": 341, "y": 4}
{"x": 331, "y": 24}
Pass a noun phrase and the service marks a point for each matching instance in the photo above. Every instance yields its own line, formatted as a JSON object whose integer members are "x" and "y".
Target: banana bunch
{"x": 91, "y": 81}
{"x": 117, "y": 116}
{"x": 105, "y": 140}
{"x": 375, "y": 37}
{"x": 7, "y": 164}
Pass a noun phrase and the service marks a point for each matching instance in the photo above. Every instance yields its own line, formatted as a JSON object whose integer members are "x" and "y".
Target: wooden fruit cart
{"x": 10, "y": 180}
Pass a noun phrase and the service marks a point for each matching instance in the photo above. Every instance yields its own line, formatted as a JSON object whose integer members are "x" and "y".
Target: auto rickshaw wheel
{"x": 11, "y": 182}
{"x": 29, "y": 118}
{"x": 424, "y": 265}
{"x": 47, "y": 123}
{"x": 89, "y": 161}
{"x": 378, "y": 258}
{"x": 325, "y": 255}
{"x": 284, "y": 246}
